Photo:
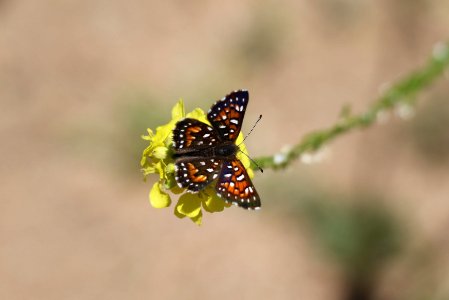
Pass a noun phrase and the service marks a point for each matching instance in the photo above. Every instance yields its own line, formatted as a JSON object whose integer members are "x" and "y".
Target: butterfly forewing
{"x": 195, "y": 173}
{"x": 234, "y": 185}
{"x": 191, "y": 134}
{"x": 226, "y": 115}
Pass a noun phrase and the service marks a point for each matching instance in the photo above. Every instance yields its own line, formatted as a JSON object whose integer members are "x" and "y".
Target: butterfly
{"x": 204, "y": 153}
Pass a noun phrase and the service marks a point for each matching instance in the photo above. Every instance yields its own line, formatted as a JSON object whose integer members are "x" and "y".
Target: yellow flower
{"x": 157, "y": 159}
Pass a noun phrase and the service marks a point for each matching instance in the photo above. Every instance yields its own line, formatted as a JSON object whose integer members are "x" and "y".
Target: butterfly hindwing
{"x": 193, "y": 134}
{"x": 226, "y": 115}
{"x": 234, "y": 185}
{"x": 195, "y": 173}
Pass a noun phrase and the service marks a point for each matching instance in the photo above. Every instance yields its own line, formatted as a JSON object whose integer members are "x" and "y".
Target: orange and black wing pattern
{"x": 202, "y": 154}
{"x": 235, "y": 186}
{"x": 191, "y": 134}
{"x": 226, "y": 115}
{"x": 195, "y": 173}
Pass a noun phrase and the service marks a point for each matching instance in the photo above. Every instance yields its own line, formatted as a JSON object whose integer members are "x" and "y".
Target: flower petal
{"x": 143, "y": 160}
{"x": 162, "y": 133}
{"x": 158, "y": 169}
{"x": 213, "y": 203}
{"x": 198, "y": 114}
{"x": 179, "y": 215}
{"x": 160, "y": 152}
{"x": 197, "y": 219}
{"x": 250, "y": 172}
{"x": 177, "y": 111}
{"x": 170, "y": 168}
{"x": 189, "y": 205}
{"x": 159, "y": 198}
{"x": 148, "y": 137}
{"x": 148, "y": 170}
{"x": 177, "y": 190}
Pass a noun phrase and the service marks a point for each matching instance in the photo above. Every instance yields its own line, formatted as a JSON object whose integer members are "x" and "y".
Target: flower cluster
{"x": 157, "y": 158}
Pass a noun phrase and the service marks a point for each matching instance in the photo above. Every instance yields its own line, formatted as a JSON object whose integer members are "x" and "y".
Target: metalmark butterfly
{"x": 204, "y": 153}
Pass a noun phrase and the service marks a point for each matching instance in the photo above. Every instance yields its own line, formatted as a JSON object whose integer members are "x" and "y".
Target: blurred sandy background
{"x": 80, "y": 81}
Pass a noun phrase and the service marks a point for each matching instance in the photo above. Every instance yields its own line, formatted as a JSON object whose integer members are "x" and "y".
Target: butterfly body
{"x": 205, "y": 153}
{"x": 226, "y": 150}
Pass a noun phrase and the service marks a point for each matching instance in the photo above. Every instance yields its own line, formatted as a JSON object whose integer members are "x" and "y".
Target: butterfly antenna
{"x": 261, "y": 170}
{"x": 260, "y": 117}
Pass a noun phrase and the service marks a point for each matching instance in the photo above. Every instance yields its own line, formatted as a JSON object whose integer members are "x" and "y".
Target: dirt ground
{"x": 81, "y": 80}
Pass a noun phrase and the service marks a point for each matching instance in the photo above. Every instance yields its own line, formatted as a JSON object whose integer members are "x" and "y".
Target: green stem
{"x": 402, "y": 92}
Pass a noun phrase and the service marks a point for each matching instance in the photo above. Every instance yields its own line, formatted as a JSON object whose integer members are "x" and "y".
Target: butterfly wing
{"x": 234, "y": 185}
{"x": 226, "y": 115}
{"x": 191, "y": 134}
{"x": 195, "y": 173}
